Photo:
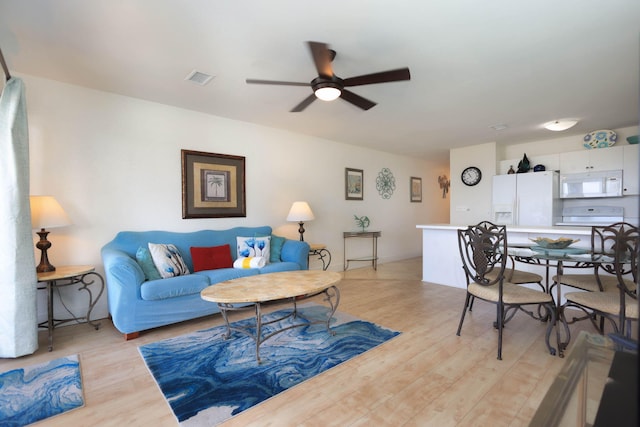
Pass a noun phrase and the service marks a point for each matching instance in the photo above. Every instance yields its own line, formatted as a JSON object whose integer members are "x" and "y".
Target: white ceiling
{"x": 474, "y": 64}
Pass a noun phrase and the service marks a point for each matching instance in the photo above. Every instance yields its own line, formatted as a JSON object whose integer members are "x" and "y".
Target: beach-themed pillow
{"x": 211, "y": 258}
{"x": 276, "y": 248}
{"x": 167, "y": 260}
{"x": 254, "y": 247}
{"x": 143, "y": 257}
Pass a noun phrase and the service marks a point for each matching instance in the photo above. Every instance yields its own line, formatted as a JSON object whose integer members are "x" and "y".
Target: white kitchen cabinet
{"x": 599, "y": 159}
{"x": 630, "y": 176}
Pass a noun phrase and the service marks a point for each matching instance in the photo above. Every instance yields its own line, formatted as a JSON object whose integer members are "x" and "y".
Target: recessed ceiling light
{"x": 560, "y": 124}
{"x": 199, "y": 78}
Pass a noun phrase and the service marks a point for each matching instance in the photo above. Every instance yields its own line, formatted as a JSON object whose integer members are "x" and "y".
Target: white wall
{"x": 470, "y": 205}
{"x": 114, "y": 164}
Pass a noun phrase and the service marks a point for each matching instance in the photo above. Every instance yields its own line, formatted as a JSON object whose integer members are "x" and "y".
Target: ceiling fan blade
{"x": 381, "y": 77}
{"x": 275, "y": 82}
{"x": 304, "y": 104}
{"x": 322, "y": 59}
{"x": 357, "y": 100}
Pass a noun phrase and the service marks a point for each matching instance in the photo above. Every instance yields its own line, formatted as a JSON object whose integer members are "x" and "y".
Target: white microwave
{"x": 591, "y": 184}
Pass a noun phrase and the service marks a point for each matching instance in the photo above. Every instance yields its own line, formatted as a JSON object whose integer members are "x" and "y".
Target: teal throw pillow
{"x": 276, "y": 248}
{"x": 143, "y": 257}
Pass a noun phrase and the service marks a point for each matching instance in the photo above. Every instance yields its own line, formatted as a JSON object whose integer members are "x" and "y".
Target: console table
{"x": 373, "y": 235}
{"x": 323, "y": 254}
{"x": 82, "y": 275}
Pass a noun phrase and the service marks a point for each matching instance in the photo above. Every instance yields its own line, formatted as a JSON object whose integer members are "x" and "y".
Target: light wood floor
{"x": 427, "y": 376}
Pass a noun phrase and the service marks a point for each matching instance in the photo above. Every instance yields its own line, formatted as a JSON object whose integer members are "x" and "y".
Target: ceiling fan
{"x": 327, "y": 86}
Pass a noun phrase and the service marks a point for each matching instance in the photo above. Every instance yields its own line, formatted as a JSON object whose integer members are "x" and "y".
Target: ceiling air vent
{"x": 198, "y": 77}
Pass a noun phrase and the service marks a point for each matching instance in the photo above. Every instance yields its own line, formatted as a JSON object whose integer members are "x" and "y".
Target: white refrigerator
{"x": 527, "y": 199}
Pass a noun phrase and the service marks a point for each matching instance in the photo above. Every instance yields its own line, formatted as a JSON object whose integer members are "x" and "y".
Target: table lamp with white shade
{"x": 300, "y": 212}
{"x": 46, "y": 212}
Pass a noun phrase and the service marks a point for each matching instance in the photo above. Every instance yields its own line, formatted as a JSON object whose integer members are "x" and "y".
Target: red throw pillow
{"x": 211, "y": 258}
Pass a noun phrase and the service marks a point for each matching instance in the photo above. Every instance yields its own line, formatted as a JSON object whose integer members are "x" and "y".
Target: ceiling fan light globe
{"x": 328, "y": 93}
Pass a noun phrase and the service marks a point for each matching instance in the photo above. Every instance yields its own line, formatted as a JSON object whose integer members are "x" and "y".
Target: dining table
{"x": 574, "y": 258}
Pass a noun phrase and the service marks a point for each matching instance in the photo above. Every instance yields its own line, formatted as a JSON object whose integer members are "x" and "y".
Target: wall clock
{"x": 471, "y": 176}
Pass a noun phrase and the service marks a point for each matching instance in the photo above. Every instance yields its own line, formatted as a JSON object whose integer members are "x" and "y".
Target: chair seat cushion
{"x": 588, "y": 282}
{"x": 605, "y": 302}
{"x": 511, "y": 294}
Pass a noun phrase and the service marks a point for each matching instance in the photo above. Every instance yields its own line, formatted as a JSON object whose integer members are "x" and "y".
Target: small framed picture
{"x": 212, "y": 185}
{"x": 416, "y": 189}
{"x": 353, "y": 184}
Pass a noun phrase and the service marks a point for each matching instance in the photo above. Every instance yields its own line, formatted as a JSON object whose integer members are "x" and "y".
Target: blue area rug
{"x": 40, "y": 391}
{"x": 207, "y": 380}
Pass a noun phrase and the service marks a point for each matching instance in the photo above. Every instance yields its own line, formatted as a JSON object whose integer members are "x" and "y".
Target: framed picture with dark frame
{"x": 353, "y": 184}
{"x": 213, "y": 185}
{"x": 416, "y": 189}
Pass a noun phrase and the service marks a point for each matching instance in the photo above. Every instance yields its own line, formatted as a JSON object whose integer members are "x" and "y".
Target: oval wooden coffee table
{"x": 250, "y": 293}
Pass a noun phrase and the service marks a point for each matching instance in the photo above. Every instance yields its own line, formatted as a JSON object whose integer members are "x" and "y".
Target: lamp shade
{"x": 46, "y": 212}
{"x": 300, "y": 212}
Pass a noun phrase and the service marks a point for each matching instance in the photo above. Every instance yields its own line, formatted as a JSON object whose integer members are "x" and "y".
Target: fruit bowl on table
{"x": 561, "y": 243}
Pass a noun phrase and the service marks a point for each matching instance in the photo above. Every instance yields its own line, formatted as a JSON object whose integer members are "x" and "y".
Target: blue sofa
{"x": 137, "y": 304}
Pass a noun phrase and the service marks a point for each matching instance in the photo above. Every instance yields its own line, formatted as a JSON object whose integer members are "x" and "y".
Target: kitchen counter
{"x": 586, "y": 231}
{"x": 441, "y": 262}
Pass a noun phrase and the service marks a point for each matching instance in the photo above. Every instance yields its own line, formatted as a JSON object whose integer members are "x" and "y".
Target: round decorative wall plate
{"x": 600, "y": 139}
{"x": 385, "y": 183}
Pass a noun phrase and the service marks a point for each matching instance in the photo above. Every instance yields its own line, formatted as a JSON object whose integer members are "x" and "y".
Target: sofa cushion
{"x": 223, "y": 274}
{"x": 145, "y": 261}
{"x": 173, "y": 287}
{"x": 279, "y": 266}
{"x": 254, "y": 247}
{"x": 211, "y": 258}
{"x": 168, "y": 260}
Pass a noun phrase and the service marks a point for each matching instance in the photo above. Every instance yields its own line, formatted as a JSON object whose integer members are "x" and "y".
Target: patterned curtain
{"x": 18, "y": 281}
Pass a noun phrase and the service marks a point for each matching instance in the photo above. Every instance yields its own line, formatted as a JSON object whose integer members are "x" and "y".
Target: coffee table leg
{"x": 258, "y": 331}
{"x": 333, "y": 299}
{"x": 223, "y": 310}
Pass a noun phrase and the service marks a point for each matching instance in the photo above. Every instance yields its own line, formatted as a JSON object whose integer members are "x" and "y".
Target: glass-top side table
{"x": 319, "y": 250}
{"x": 373, "y": 235}
{"x": 68, "y": 275}
{"x": 575, "y": 397}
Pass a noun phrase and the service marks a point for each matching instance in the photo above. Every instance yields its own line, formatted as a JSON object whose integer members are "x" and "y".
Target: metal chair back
{"x": 483, "y": 251}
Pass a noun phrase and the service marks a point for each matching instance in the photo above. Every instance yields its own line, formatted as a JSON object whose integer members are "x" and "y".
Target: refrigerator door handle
{"x": 516, "y": 210}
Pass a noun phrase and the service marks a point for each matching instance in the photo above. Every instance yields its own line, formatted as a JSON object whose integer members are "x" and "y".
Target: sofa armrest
{"x": 123, "y": 274}
{"x": 296, "y": 251}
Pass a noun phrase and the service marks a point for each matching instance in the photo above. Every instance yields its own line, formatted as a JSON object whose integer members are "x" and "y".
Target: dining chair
{"x": 515, "y": 276}
{"x": 519, "y": 277}
{"x": 601, "y": 240}
{"x": 620, "y": 242}
{"x": 483, "y": 250}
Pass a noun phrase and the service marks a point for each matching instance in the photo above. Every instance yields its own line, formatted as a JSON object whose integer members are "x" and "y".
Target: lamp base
{"x": 44, "y": 266}
{"x": 301, "y": 231}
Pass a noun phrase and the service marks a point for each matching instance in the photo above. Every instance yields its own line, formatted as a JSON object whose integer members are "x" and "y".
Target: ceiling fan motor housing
{"x": 334, "y": 82}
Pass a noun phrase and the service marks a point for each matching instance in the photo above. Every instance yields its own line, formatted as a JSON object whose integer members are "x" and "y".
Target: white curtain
{"x": 18, "y": 281}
